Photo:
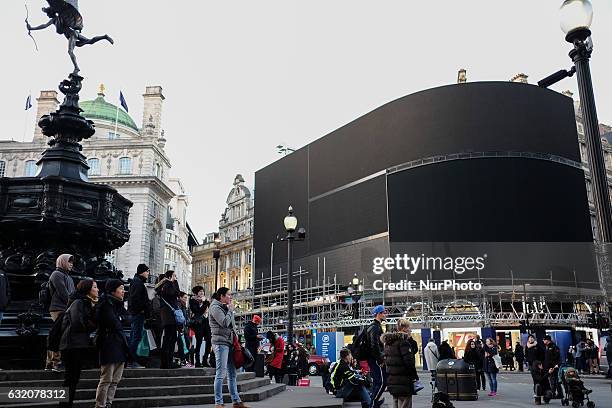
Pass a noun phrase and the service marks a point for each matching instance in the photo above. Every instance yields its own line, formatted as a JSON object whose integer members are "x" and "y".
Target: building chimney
{"x": 152, "y": 111}
{"x": 462, "y": 76}
{"x": 45, "y": 104}
{"x": 522, "y": 78}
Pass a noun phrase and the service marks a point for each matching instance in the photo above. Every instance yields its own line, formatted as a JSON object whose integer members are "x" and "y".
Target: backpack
{"x": 44, "y": 295}
{"x": 361, "y": 345}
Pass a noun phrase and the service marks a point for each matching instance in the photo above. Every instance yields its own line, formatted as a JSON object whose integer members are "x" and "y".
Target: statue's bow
{"x": 28, "y": 24}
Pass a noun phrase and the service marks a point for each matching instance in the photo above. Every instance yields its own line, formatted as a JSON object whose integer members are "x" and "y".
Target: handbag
{"x": 179, "y": 317}
{"x": 498, "y": 362}
{"x": 143, "y": 347}
{"x": 237, "y": 353}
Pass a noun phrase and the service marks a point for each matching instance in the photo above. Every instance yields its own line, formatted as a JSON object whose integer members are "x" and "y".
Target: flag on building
{"x": 123, "y": 102}
{"x": 28, "y": 103}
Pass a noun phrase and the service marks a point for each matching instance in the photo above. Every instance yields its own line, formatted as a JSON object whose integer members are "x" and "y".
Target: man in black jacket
{"x": 376, "y": 356}
{"x": 348, "y": 382}
{"x": 138, "y": 307}
{"x": 552, "y": 360}
{"x": 252, "y": 338}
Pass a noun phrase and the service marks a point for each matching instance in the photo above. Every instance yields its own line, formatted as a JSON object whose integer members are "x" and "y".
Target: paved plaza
{"x": 514, "y": 390}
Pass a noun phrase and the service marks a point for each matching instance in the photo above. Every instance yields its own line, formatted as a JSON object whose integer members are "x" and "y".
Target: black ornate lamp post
{"x": 216, "y": 255}
{"x": 576, "y": 17}
{"x": 291, "y": 223}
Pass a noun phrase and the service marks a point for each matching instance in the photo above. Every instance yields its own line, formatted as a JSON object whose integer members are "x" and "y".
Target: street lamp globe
{"x": 576, "y": 16}
{"x": 290, "y": 221}
{"x": 355, "y": 280}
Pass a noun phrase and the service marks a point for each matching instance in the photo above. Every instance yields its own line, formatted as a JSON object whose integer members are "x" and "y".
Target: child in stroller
{"x": 575, "y": 391}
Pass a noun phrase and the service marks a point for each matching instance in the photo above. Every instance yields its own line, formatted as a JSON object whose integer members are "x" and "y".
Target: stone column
{"x": 46, "y": 103}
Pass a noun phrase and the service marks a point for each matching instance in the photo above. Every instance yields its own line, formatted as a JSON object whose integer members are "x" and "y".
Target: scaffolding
{"x": 326, "y": 304}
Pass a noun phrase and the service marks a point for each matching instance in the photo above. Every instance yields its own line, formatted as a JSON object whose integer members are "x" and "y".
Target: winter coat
{"x": 221, "y": 323}
{"x": 519, "y": 353}
{"x": 552, "y": 356}
{"x": 474, "y": 357}
{"x": 138, "y": 299}
{"x": 533, "y": 353}
{"x": 5, "y": 292}
{"x": 344, "y": 374}
{"x": 61, "y": 287}
{"x": 112, "y": 342}
{"x": 250, "y": 337}
{"x": 432, "y": 355}
{"x": 168, "y": 292}
{"x": 399, "y": 361}
{"x": 446, "y": 352}
{"x": 488, "y": 363}
{"x": 374, "y": 331}
{"x": 78, "y": 323}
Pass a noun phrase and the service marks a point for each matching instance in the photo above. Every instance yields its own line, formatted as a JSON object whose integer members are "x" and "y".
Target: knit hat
{"x": 257, "y": 319}
{"x": 142, "y": 268}
{"x": 112, "y": 285}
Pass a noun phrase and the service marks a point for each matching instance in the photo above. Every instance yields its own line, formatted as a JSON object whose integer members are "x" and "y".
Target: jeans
{"x": 357, "y": 391}
{"x": 136, "y": 334}
{"x": 492, "y": 381}
{"x": 224, "y": 365}
{"x": 379, "y": 378}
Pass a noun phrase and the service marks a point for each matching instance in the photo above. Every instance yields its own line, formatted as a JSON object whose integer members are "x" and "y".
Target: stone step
{"x": 168, "y": 390}
{"x": 88, "y": 383}
{"x": 35, "y": 375}
{"x": 257, "y": 394}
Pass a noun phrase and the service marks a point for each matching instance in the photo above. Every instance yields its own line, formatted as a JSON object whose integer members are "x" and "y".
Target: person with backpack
{"x": 348, "y": 382}
{"x": 112, "y": 344}
{"x": 275, "y": 363}
{"x": 168, "y": 291}
{"x": 60, "y": 287}
{"x": 78, "y": 322}
{"x": 400, "y": 365}
{"x": 221, "y": 317}
{"x": 5, "y": 293}
{"x": 376, "y": 356}
{"x": 139, "y": 308}
{"x": 432, "y": 356}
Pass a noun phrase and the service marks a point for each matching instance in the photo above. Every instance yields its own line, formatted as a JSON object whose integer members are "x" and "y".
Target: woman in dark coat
{"x": 519, "y": 354}
{"x": 77, "y": 324}
{"x": 197, "y": 307}
{"x": 446, "y": 352}
{"x": 533, "y": 351}
{"x": 111, "y": 341}
{"x": 473, "y": 356}
{"x": 168, "y": 291}
{"x": 399, "y": 360}
{"x": 489, "y": 366}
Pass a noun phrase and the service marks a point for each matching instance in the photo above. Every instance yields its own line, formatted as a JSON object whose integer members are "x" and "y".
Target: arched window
{"x": 125, "y": 165}
{"x": 2, "y": 167}
{"x": 30, "y": 168}
{"x": 94, "y": 167}
{"x": 158, "y": 170}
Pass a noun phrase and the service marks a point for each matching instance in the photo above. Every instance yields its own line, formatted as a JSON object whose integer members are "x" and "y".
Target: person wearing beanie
{"x": 252, "y": 338}
{"x": 139, "y": 309}
{"x": 111, "y": 342}
{"x": 198, "y": 307}
{"x": 376, "y": 356}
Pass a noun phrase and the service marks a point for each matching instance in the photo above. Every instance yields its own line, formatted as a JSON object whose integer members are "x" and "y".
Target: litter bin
{"x": 258, "y": 366}
{"x": 457, "y": 379}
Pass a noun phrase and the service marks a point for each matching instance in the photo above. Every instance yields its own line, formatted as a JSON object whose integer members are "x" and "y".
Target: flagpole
{"x": 116, "y": 118}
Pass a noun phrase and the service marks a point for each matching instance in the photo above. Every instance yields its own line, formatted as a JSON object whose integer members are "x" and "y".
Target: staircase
{"x": 143, "y": 387}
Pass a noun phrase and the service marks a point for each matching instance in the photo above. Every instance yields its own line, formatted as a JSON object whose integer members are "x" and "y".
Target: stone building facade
{"x": 235, "y": 243}
{"x": 177, "y": 256}
{"x": 129, "y": 158}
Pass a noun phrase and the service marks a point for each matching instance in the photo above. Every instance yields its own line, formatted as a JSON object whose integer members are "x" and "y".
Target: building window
{"x": 250, "y": 256}
{"x": 2, "y": 168}
{"x": 30, "y": 168}
{"x": 250, "y": 227}
{"x": 158, "y": 170}
{"x": 125, "y": 165}
{"x": 236, "y": 283}
{"x": 94, "y": 167}
{"x": 113, "y": 135}
{"x": 152, "y": 245}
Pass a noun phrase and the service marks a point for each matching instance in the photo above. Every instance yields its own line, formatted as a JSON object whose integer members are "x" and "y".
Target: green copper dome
{"x": 99, "y": 109}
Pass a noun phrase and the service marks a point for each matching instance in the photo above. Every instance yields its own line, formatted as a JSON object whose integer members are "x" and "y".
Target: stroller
{"x": 575, "y": 391}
